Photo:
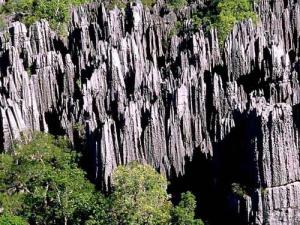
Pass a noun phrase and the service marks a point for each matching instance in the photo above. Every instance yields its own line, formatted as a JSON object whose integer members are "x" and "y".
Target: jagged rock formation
{"x": 119, "y": 82}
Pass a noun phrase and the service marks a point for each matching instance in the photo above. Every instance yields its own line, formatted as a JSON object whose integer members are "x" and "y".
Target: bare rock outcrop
{"x": 132, "y": 92}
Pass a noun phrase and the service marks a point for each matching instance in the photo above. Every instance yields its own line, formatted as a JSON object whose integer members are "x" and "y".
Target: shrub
{"x": 12, "y": 220}
{"x": 55, "y": 11}
{"x": 238, "y": 189}
{"x": 148, "y": 3}
{"x": 176, "y": 29}
{"x": 139, "y": 196}
{"x": 196, "y": 21}
{"x": 3, "y": 23}
{"x": 177, "y": 4}
{"x": 42, "y": 182}
{"x": 229, "y": 13}
{"x": 223, "y": 15}
{"x": 184, "y": 213}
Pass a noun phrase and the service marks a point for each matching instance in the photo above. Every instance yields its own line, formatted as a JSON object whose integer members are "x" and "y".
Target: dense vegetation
{"x": 221, "y": 14}
{"x": 177, "y": 4}
{"x": 55, "y": 11}
{"x": 41, "y": 183}
{"x": 224, "y": 14}
{"x": 12, "y": 220}
{"x": 139, "y": 196}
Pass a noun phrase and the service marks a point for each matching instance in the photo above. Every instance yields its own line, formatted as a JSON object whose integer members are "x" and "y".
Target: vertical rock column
{"x": 273, "y": 165}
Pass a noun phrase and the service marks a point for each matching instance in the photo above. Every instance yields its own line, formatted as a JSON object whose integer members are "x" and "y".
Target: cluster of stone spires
{"x": 137, "y": 94}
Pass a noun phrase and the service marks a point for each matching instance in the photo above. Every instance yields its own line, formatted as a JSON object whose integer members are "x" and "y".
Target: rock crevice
{"x": 133, "y": 93}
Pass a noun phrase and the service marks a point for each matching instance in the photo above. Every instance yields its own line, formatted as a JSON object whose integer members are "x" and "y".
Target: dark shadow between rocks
{"x": 198, "y": 179}
{"x": 212, "y": 180}
{"x": 54, "y": 124}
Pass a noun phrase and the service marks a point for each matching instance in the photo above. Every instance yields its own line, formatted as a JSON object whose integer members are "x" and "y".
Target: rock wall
{"x": 119, "y": 82}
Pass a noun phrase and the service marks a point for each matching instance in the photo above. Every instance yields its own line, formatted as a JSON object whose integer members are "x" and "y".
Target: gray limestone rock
{"x": 139, "y": 94}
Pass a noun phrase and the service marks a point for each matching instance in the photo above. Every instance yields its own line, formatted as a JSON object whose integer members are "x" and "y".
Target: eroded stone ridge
{"x": 132, "y": 92}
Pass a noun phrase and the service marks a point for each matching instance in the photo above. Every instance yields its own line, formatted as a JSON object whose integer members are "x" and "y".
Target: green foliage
{"x": 264, "y": 190}
{"x": 139, "y": 196}
{"x": 55, "y": 11}
{"x": 3, "y": 23}
{"x": 12, "y": 220}
{"x": 41, "y": 182}
{"x": 100, "y": 213}
{"x": 148, "y": 3}
{"x": 78, "y": 127}
{"x": 238, "y": 189}
{"x": 184, "y": 213}
{"x": 177, "y": 4}
{"x": 175, "y": 29}
{"x": 196, "y": 21}
{"x": 30, "y": 70}
{"x": 231, "y": 12}
{"x": 78, "y": 83}
{"x": 6, "y": 36}
{"x": 223, "y": 15}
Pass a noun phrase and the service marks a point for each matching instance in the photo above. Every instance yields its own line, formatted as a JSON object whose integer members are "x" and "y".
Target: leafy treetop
{"x": 12, "y": 220}
{"x": 42, "y": 183}
{"x": 56, "y": 12}
{"x": 139, "y": 196}
{"x": 231, "y": 12}
{"x": 224, "y": 14}
{"x": 184, "y": 212}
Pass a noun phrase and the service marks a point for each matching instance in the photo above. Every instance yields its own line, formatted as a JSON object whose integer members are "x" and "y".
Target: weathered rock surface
{"x": 119, "y": 82}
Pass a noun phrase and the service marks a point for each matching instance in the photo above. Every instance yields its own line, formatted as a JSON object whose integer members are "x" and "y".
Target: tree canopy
{"x": 223, "y": 15}
{"x": 12, "y": 220}
{"x": 139, "y": 196}
{"x": 41, "y": 184}
{"x": 56, "y": 12}
{"x": 229, "y": 13}
{"x": 184, "y": 212}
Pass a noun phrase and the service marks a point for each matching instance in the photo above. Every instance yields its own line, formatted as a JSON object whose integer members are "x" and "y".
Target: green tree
{"x": 57, "y": 12}
{"x": 184, "y": 212}
{"x": 177, "y": 4}
{"x": 223, "y": 15}
{"x": 229, "y": 13}
{"x": 139, "y": 196}
{"x": 12, "y": 220}
{"x": 41, "y": 181}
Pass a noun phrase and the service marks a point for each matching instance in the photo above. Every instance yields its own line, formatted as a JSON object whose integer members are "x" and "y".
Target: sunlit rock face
{"x": 123, "y": 89}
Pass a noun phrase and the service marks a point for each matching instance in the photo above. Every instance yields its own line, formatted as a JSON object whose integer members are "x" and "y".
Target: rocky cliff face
{"x": 123, "y": 89}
